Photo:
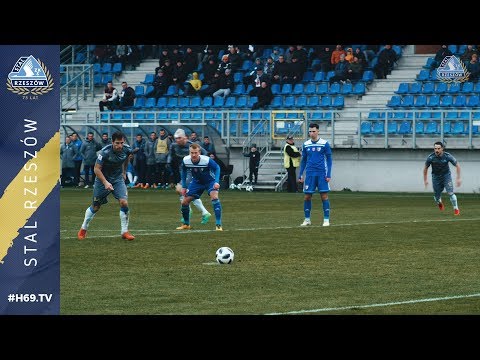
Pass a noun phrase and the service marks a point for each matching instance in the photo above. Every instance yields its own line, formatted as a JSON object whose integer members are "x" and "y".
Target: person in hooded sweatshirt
{"x": 193, "y": 85}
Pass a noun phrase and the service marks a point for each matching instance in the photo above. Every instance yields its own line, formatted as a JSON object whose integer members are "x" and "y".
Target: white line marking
{"x": 170, "y": 232}
{"x": 377, "y": 305}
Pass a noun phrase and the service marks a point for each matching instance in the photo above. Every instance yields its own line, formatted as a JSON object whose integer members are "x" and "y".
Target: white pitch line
{"x": 170, "y": 232}
{"x": 377, "y": 305}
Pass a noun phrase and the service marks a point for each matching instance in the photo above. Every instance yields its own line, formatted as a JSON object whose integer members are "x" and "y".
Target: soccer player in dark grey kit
{"x": 441, "y": 176}
{"x": 110, "y": 169}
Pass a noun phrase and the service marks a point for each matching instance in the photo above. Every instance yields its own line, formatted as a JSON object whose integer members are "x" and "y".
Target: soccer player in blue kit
{"x": 317, "y": 164}
{"x": 441, "y": 176}
{"x": 110, "y": 168}
{"x": 205, "y": 176}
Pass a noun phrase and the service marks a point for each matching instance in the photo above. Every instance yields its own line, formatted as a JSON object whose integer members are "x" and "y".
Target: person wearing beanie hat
{"x": 291, "y": 161}
{"x": 178, "y": 150}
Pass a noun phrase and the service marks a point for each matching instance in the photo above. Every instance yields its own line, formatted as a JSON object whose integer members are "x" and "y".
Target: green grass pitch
{"x": 384, "y": 253}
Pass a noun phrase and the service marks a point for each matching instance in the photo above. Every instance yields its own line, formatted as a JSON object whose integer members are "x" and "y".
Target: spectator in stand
{"x": 297, "y": 71}
{"x": 194, "y": 85}
{"x": 127, "y": 96}
{"x": 224, "y": 64}
{"x": 110, "y": 98}
{"x": 78, "y": 159}
{"x": 439, "y": 56}
{"x": 268, "y": 69}
{"x": 386, "y": 61}
{"x": 473, "y": 67}
{"x": 325, "y": 56}
{"x": 275, "y": 54}
{"x": 357, "y": 52}
{"x": 190, "y": 61}
{"x": 160, "y": 85}
{"x": 207, "y": 145}
{"x": 99, "y": 54}
{"x": 194, "y": 138}
{"x": 176, "y": 55}
{"x": 289, "y": 53}
{"x": 252, "y": 74}
{"x": 162, "y": 148}
{"x": 302, "y": 57}
{"x": 265, "y": 96}
{"x": 467, "y": 55}
{"x": 355, "y": 71}
{"x": 213, "y": 86}
{"x": 281, "y": 71}
{"x": 223, "y": 167}
{"x": 209, "y": 69}
{"x": 168, "y": 72}
{"x": 257, "y": 82}
{"x": 349, "y": 56}
{"x": 164, "y": 55}
{"x": 234, "y": 58}
{"x": 370, "y": 52}
{"x": 335, "y": 59}
{"x": 122, "y": 53}
{"x": 225, "y": 84}
{"x": 341, "y": 71}
{"x": 68, "y": 151}
{"x": 179, "y": 76}
{"x": 151, "y": 166}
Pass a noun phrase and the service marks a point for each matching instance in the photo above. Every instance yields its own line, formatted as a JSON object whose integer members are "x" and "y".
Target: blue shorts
{"x": 195, "y": 189}
{"x": 313, "y": 182}
{"x": 100, "y": 193}
{"x": 441, "y": 182}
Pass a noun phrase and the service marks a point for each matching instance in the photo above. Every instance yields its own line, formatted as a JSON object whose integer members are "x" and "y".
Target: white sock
{"x": 453, "y": 200}
{"x": 124, "y": 221}
{"x": 199, "y": 205}
{"x": 89, "y": 214}
{"x": 130, "y": 177}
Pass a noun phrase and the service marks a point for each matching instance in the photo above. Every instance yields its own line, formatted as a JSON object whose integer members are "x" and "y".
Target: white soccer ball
{"x": 239, "y": 186}
{"x": 224, "y": 255}
{"x": 233, "y": 186}
{"x": 249, "y": 188}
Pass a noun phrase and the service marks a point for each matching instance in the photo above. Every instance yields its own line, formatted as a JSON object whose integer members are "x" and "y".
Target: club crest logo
{"x": 29, "y": 76}
{"x": 452, "y": 69}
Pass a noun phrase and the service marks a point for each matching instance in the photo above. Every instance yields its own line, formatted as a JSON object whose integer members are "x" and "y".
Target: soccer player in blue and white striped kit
{"x": 441, "y": 176}
{"x": 205, "y": 174}
{"x": 317, "y": 164}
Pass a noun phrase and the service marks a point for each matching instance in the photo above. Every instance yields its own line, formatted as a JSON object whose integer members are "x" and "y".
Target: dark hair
{"x": 439, "y": 143}
{"x": 313, "y": 125}
{"x": 118, "y": 135}
{"x": 105, "y": 134}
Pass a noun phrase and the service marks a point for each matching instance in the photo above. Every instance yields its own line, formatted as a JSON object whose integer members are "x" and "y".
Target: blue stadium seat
{"x": 467, "y": 88}
{"x": 405, "y": 127}
{"x": 97, "y": 68}
{"x": 238, "y": 77}
{"x": 307, "y": 76}
{"x": 415, "y": 88}
{"x": 334, "y": 89}
{"x": 441, "y": 88}
{"x": 460, "y": 101}
{"x": 431, "y": 127}
{"x": 289, "y": 101}
{"x": 458, "y": 128}
{"x": 301, "y": 101}
{"x": 319, "y": 76}
{"x": 275, "y": 89}
{"x": 241, "y": 102}
{"x": 313, "y": 101}
{"x": 347, "y": 89}
{"x": 451, "y": 115}
{"x": 425, "y": 115}
{"x": 230, "y": 102}
{"x": 420, "y": 101}
{"x": 298, "y": 89}
{"x": 395, "y": 101}
{"x": 428, "y": 87}
{"x": 403, "y": 88}
{"x": 473, "y": 101}
{"x": 148, "y": 79}
{"x": 423, "y": 75}
{"x": 368, "y": 76}
{"x": 162, "y": 102}
{"x": 326, "y": 102}
{"x": 419, "y": 128}
{"x": 454, "y": 88}
{"x": 322, "y": 88}
{"x": 359, "y": 89}
{"x": 277, "y": 102}
{"x": 183, "y": 102}
{"x": 392, "y": 127}
{"x": 196, "y": 102}
{"x": 139, "y": 91}
{"x": 429, "y": 63}
{"x": 329, "y": 75}
{"x": 338, "y": 102}
{"x": 446, "y": 101}
{"x": 433, "y": 101}
{"x": 366, "y": 128}
{"x": 407, "y": 101}
{"x": 218, "y": 102}
{"x": 378, "y": 128}
{"x": 117, "y": 68}
{"x": 240, "y": 89}
{"x": 107, "y": 68}
{"x": 310, "y": 88}
{"x": 207, "y": 102}
{"x": 139, "y": 103}
{"x": 107, "y": 78}
{"x": 286, "y": 89}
